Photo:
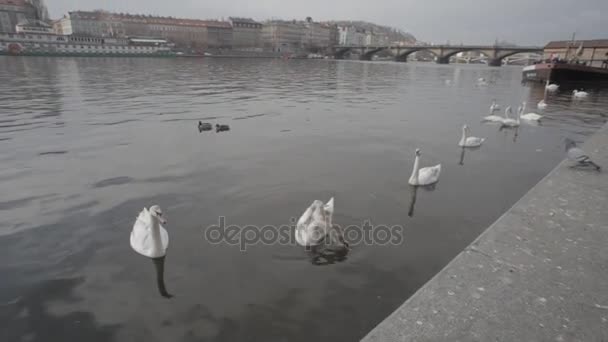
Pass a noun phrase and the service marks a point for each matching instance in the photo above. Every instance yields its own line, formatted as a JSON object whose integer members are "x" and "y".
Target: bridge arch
{"x": 367, "y": 56}
{"x": 455, "y": 52}
{"x": 497, "y": 61}
{"x": 340, "y": 53}
{"x": 511, "y": 53}
{"x": 402, "y": 57}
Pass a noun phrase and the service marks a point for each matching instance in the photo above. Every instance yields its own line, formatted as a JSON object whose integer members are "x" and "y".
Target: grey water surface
{"x": 86, "y": 143}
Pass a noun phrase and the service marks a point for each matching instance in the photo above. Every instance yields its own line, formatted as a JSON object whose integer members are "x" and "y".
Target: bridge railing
{"x": 444, "y": 46}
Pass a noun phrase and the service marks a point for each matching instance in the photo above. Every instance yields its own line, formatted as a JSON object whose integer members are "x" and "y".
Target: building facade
{"x": 317, "y": 36}
{"x": 184, "y": 33}
{"x": 246, "y": 34}
{"x": 12, "y": 12}
{"x": 352, "y": 36}
{"x": 334, "y": 35}
{"x": 283, "y": 36}
{"x": 592, "y": 52}
{"x": 376, "y": 39}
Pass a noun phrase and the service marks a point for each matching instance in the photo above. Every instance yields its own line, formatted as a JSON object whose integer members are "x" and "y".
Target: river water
{"x": 86, "y": 143}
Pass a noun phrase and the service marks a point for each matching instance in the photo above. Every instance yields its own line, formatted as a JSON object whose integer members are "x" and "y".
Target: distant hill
{"x": 394, "y": 34}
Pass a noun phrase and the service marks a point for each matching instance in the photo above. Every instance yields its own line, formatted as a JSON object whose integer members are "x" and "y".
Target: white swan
{"x": 493, "y": 118}
{"x": 508, "y": 122}
{"x": 315, "y": 223}
{"x": 542, "y": 104}
{"x": 494, "y": 107}
{"x": 148, "y": 237}
{"x": 528, "y": 116}
{"x": 466, "y": 141}
{"x": 426, "y": 175}
{"x": 551, "y": 87}
{"x": 580, "y": 94}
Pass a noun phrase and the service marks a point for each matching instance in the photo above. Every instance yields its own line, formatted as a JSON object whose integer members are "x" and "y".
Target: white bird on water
{"x": 494, "y": 107}
{"x": 508, "y": 122}
{"x": 542, "y": 104}
{"x": 148, "y": 237}
{"x": 493, "y": 118}
{"x": 426, "y": 175}
{"x": 528, "y": 116}
{"x": 467, "y": 141}
{"x": 551, "y": 87}
{"x": 579, "y": 93}
{"x": 316, "y": 222}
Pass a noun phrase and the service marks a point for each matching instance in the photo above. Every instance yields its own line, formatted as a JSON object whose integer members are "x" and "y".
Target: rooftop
{"x": 13, "y": 2}
{"x": 243, "y": 20}
{"x": 148, "y": 19}
{"x": 33, "y": 23}
{"x": 594, "y": 43}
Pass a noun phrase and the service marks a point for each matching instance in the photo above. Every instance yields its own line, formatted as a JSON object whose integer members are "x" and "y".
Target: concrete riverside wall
{"x": 539, "y": 273}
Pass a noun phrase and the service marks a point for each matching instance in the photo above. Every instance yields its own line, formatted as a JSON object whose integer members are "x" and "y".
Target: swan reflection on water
{"x": 414, "y": 196}
{"x": 463, "y": 152}
{"x": 159, "y": 265}
{"x": 333, "y": 249}
{"x": 508, "y": 129}
{"x": 414, "y": 192}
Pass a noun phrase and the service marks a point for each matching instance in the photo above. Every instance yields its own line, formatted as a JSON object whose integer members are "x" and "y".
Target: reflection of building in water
{"x": 12, "y": 12}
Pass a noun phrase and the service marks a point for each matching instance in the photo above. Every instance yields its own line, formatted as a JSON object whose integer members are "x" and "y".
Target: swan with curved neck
{"x": 494, "y": 107}
{"x": 542, "y": 104}
{"x": 467, "y": 141}
{"x": 551, "y": 87}
{"x": 425, "y": 175}
{"x": 528, "y": 116}
{"x": 493, "y": 118}
{"x": 580, "y": 93}
{"x": 148, "y": 237}
{"x": 315, "y": 224}
{"x": 508, "y": 122}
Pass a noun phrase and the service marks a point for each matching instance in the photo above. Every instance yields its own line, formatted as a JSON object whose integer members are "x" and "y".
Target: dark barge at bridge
{"x": 564, "y": 72}
{"x": 574, "y": 61}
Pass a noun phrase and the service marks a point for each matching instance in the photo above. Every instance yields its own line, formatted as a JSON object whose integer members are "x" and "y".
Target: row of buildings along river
{"x": 196, "y": 35}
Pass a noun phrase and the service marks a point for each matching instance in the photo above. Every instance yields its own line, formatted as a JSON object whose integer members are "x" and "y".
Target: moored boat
{"x": 563, "y": 72}
{"x": 35, "y": 39}
{"x": 571, "y": 61}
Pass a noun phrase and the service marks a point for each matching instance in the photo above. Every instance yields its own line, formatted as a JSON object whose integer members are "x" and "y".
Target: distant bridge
{"x": 494, "y": 53}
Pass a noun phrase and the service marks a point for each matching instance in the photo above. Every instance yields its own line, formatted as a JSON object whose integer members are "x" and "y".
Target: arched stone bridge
{"x": 443, "y": 53}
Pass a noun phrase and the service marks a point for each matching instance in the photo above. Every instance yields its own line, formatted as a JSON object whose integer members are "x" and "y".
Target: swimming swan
{"x": 493, "y": 118}
{"x": 426, "y": 175}
{"x": 580, "y": 94}
{"x": 314, "y": 225}
{"x": 528, "y": 116}
{"x": 551, "y": 87}
{"x": 494, "y": 107}
{"x": 542, "y": 104}
{"x": 508, "y": 122}
{"x": 148, "y": 237}
{"x": 469, "y": 141}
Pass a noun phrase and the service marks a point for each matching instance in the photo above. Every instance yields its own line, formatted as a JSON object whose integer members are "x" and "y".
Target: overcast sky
{"x": 524, "y": 22}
